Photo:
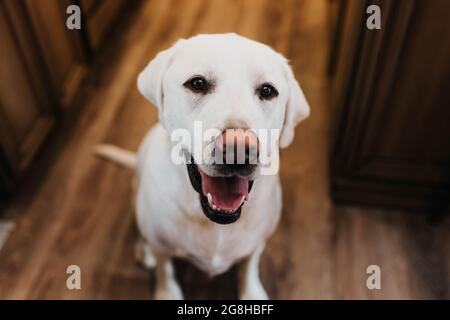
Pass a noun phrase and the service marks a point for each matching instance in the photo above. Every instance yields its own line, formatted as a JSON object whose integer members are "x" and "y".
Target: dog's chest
{"x": 183, "y": 231}
{"x": 212, "y": 256}
{"x": 214, "y": 248}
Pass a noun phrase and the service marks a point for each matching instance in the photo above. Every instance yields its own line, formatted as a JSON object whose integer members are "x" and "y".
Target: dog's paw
{"x": 144, "y": 255}
{"x": 170, "y": 291}
{"x": 255, "y": 292}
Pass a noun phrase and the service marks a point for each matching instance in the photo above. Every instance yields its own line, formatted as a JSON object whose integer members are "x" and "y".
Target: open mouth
{"x": 221, "y": 198}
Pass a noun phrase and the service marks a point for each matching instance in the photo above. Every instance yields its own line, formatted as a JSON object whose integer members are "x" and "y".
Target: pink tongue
{"x": 226, "y": 193}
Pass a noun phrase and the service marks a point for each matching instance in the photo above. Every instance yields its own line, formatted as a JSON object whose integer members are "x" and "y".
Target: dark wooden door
{"x": 26, "y": 101}
{"x": 100, "y": 17}
{"x": 42, "y": 66}
{"x": 391, "y": 88}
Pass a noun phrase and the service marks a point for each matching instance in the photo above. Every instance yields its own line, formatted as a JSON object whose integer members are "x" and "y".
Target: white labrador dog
{"x": 212, "y": 214}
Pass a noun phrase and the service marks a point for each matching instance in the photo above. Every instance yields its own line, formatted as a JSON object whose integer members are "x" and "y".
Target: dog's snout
{"x": 237, "y": 146}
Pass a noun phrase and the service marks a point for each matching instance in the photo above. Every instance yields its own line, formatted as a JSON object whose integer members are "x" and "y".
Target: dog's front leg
{"x": 167, "y": 287}
{"x": 250, "y": 287}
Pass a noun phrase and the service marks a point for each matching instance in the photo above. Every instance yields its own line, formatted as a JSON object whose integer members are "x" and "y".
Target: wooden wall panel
{"x": 19, "y": 105}
{"x": 26, "y": 110}
{"x": 100, "y": 19}
{"x": 393, "y": 145}
{"x": 32, "y": 57}
{"x": 42, "y": 66}
{"x": 61, "y": 47}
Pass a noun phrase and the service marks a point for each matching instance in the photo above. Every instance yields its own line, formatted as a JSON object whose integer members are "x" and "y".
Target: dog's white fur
{"x": 169, "y": 214}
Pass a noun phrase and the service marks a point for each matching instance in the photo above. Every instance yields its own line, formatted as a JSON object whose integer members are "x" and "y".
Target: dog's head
{"x": 239, "y": 94}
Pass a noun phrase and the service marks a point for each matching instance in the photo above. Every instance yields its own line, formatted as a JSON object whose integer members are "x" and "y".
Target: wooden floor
{"x": 75, "y": 209}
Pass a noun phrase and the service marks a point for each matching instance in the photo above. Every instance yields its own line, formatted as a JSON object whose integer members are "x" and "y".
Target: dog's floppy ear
{"x": 150, "y": 80}
{"x": 297, "y": 108}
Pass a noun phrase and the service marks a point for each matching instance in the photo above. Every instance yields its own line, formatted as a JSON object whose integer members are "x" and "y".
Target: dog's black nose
{"x": 237, "y": 146}
{"x": 236, "y": 152}
{"x": 240, "y": 157}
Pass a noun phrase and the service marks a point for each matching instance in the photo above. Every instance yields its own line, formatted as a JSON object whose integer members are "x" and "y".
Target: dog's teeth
{"x": 209, "y": 196}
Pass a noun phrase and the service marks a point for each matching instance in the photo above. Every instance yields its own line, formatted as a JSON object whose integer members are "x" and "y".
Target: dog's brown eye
{"x": 197, "y": 84}
{"x": 267, "y": 91}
